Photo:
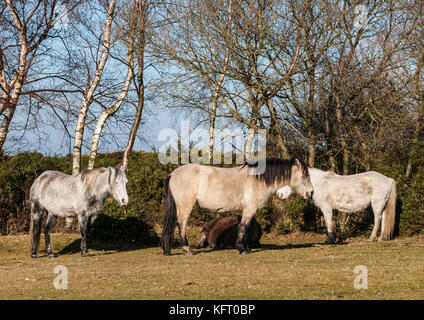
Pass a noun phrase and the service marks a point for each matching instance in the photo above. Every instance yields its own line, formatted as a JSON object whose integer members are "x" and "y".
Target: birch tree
{"x": 91, "y": 88}
{"x": 132, "y": 28}
{"x": 25, "y": 26}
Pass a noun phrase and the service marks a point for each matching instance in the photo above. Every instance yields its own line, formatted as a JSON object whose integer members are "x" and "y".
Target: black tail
{"x": 169, "y": 219}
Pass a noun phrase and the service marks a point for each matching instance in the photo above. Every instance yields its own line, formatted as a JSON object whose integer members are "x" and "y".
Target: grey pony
{"x": 81, "y": 196}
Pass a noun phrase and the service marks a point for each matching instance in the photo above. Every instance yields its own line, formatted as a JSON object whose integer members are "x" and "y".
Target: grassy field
{"x": 289, "y": 267}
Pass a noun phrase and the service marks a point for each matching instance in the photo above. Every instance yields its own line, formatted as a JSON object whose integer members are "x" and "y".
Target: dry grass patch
{"x": 289, "y": 267}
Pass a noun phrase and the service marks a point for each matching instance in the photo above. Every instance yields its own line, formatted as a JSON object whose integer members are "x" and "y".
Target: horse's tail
{"x": 389, "y": 215}
{"x": 169, "y": 219}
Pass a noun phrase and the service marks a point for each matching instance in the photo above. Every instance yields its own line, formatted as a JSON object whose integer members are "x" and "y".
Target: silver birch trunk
{"x": 110, "y": 111}
{"x": 107, "y": 113}
{"x": 79, "y": 131}
{"x": 4, "y": 127}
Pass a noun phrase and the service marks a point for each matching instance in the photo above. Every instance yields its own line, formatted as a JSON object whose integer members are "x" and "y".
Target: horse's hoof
{"x": 187, "y": 250}
{"x": 371, "y": 240}
{"x": 34, "y": 255}
{"x": 331, "y": 238}
{"x": 327, "y": 242}
{"x": 246, "y": 252}
{"x": 52, "y": 255}
{"x": 86, "y": 254}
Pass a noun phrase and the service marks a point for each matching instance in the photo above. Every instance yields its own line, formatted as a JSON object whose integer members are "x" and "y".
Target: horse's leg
{"x": 83, "y": 221}
{"x": 329, "y": 222}
{"x": 377, "y": 208}
{"x": 241, "y": 243}
{"x": 36, "y": 213}
{"x": 182, "y": 217}
{"x": 202, "y": 242}
{"x": 51, "y": 221}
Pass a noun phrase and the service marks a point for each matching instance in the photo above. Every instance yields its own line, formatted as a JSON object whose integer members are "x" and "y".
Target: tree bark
{"x": 275, "y": 130}
{"x": 309, "y": 116}
{"x": 142, "y": 13}
{"x": 217, "y": 89}
{"x": 79, "y": 131}
{"x": 110, "y": 111}
{"x": 416, "y": 139}
{"x": 341, "y": 137}
{"x": 4, "y": 127}
{"x": 134, "y": 128}
{"x": 10, "y": 100}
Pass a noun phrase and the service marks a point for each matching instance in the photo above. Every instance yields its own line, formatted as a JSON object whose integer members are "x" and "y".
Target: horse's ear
{"x": 297, "y": 163}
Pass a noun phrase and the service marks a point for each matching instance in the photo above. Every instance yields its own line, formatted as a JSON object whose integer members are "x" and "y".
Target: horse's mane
{"x": 276, "y": 170}
{"x": 89, "y": 177}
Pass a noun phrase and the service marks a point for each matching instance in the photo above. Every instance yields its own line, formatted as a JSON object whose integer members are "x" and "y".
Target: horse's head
{"x": 119, "y": 187}
{"x": 300, "y": 181}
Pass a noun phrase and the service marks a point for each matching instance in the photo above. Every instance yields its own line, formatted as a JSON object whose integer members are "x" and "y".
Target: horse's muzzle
{"x": 309, "y": 195}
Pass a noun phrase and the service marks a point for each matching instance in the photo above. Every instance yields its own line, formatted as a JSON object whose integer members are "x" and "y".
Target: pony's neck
{"x": 317, "y": 174}
{"x": 101, "y": 191}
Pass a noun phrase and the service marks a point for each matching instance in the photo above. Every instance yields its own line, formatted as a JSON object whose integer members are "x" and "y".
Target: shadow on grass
{"x": 266, "y": 247}
{"x": 109, "y": 234}
{"x": 296, "y": 246}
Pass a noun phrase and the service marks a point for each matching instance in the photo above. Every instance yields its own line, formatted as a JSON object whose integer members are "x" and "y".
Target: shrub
{"x": 16, "y": 177}
{"x": 410, "y": 204}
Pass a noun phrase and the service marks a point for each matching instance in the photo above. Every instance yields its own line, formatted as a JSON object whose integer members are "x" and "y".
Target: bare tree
{"x": 246, "y": 66}
{"x": 415, "y": 50}
{"x": 132, "y": 28}
{"x": 25, "y": 25}
{"x": 142, "y": 7}
{"x": 91, "y": 88}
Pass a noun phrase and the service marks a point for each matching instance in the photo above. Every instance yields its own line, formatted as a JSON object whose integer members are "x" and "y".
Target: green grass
{"x": 289, "y": 267}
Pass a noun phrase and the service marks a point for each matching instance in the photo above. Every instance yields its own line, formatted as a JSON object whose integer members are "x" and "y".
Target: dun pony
{"x": 227, "y": 189}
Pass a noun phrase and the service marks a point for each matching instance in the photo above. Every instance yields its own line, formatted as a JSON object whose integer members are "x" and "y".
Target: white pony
{"x": 353, "y": 193}
{"x": 83, "y": 196}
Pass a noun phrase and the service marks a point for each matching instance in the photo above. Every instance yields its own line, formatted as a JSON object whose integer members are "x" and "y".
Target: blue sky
{"x": 52, "y": 141}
